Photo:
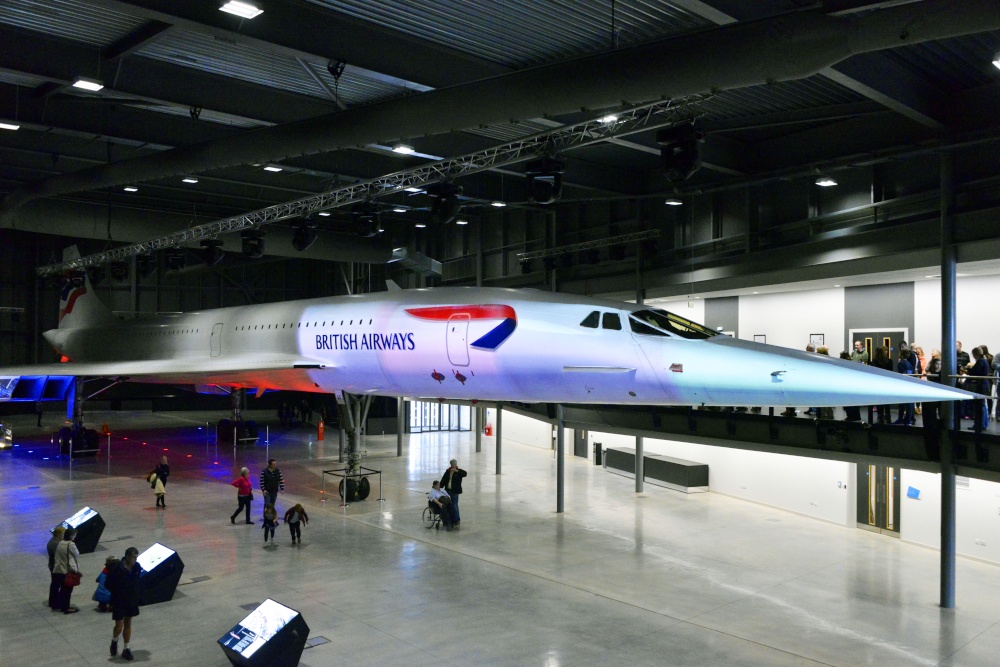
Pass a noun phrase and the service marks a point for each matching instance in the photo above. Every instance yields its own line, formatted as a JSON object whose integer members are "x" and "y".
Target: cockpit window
{"x": 591, "y": 321}
{"x": 612, "y": 321}
{"x": 643, "y": 329}
{"x": 670, "y": 323}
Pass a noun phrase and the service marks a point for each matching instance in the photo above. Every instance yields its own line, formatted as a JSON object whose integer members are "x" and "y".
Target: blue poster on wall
{"x": 913, "y": 492}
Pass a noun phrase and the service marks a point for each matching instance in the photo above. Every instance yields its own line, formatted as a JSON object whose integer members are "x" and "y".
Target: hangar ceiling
{"x": 324, "y": 89}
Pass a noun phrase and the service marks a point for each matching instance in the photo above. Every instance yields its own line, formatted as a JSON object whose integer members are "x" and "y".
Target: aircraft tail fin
{"x": 78, "y": 304}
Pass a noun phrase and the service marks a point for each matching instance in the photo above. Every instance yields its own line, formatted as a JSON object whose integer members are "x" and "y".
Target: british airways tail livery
{"x": 462, "y": 343}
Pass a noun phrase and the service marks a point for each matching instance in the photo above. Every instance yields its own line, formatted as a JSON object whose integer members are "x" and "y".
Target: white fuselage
{"x": 485, "y": 344}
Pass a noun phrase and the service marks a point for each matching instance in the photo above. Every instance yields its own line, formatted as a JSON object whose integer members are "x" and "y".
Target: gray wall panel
{"x": 878, "y": 306}
{"x": 723, "y": 312}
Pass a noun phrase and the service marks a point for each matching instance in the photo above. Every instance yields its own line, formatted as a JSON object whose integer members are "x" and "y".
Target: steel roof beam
{"x": 60, "y": 61}
{"x": 788, "y": 47}
{"x": 882, "y": 80}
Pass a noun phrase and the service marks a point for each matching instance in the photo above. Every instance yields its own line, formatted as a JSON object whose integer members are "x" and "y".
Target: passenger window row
{"x": 296, "y": 325}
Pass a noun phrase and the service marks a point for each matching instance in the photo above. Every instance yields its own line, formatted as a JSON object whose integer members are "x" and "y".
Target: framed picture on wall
{"x": 817, "y": 339}
{"x": 759, "y": 338}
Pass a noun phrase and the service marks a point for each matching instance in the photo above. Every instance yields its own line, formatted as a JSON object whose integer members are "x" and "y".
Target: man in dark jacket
{"x": 271, "y": 482}
{"x": 451, "y": 482}
{"x": 123, "y": 582}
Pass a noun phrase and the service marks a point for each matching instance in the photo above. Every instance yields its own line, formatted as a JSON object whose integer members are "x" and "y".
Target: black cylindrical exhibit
{"x": 273, "y": 635}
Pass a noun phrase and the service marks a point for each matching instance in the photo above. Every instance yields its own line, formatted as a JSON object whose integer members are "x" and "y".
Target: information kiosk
{"x": 89, "y": 527}
{"x": 271, "y": 635}
{"x": 161, "y": 570}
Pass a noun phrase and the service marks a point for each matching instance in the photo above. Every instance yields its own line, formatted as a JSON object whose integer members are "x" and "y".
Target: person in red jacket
{"x": 244, "y": 494}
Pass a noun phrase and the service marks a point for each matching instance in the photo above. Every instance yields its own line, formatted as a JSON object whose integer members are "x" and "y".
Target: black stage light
{"x": 96, "y": 274}
{"x": 680, "y": 149}
{"x": 119, "y": 271}
{"x": 175, "y": 259}
{"x": 211, "y": 251}
{"x": 566, "y": 260}
{"x": 145, "y": 265}
{"x": 445, "y": 204}
{"x": 590, "y": 256}
{"x": 550, "y": 263}
{"x": 525, "y": 266}
{"x": 544, "y": 179}
{"x": 305, "y": 234}
{"x": 616, "y": 253}
{"x": 649, "y": 249}
{"x": 367, "y": 219}
{"x": 253, "y": 243}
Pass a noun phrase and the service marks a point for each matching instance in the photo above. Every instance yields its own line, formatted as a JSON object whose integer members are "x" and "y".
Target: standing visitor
{"x": 451, "y": 482}
{"x": 123, "y": 582}
{"x": 271, "y": 482}
{"x": 244, "y": 494}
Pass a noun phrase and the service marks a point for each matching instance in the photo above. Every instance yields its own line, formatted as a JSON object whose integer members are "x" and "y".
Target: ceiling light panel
{"x": 244, "y": 10}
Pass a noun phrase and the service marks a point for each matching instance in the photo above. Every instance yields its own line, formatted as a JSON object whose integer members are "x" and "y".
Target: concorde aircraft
{"x": 461, "y": 343}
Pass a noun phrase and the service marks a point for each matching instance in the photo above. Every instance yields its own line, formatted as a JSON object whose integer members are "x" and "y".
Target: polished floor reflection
{"x": 661, "y": 578}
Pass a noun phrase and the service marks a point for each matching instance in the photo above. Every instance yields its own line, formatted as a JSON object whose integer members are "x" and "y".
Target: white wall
{"x": 977, "y": 513}
{"x": 524, "y": 430}
{"x": 788, "y": 318}
{"x": 813, "y": 487}
{"x": 977, "y": 320}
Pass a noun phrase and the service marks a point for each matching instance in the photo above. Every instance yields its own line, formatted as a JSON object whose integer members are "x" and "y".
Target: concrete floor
{"x": 661, "y": 578}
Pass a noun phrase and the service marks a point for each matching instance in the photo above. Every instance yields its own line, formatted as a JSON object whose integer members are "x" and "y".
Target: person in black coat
{"x": 451, "y": 482}
{"x": 123, "y": 582}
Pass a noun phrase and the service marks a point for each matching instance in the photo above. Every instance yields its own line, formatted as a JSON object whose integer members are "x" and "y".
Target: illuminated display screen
{"x": 257, "y": 628}
{"x": 79, "y": 518}
{"x": 153, "y": 556}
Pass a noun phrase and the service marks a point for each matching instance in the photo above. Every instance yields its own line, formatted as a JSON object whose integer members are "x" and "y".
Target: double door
{"x": 878, "y": 498}
{"x": 873, "y": 338}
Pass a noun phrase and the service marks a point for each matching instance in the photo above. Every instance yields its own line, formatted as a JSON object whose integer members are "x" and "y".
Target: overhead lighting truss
{"x": 588, "y": 245}
{"x": 629, "y": 121}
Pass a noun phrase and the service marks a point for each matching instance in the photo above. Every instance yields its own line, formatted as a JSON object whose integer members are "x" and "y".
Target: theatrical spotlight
{"x": 145, "y": 265}
{"x": 680, "y": 150}
{"x": 96, "y": 274}
{"x": 253, "y": 243}
{"x": 211, "y": 251}
{"x": 544, "y": 179}
{"x": 305, "y": 234}
{"x": 367, "y": 221}
{"x": 525, "y": 266}
{"x": 444, "y": 204}
{"x": 175, "y": 259}
{"x": 590, "y": 256}
{"x": 119, "y": 271}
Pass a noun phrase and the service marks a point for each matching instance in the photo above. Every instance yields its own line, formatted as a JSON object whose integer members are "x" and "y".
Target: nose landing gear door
{"x": 458, "y": 339}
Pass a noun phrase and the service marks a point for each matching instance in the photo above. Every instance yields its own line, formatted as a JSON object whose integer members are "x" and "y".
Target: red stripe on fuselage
{"x": 76, "y": 294}
{"x": 480, "y": 312}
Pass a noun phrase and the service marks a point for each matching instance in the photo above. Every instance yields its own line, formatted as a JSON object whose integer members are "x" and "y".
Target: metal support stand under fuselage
{"x": 948, "y": 363}
{"x": 560, "y": 458}
{"x": 499, "y": 433}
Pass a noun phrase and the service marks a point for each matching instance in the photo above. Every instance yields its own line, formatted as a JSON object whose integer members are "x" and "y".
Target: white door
{"x": 217, "y": 340}
{"x": 458, "y": 339}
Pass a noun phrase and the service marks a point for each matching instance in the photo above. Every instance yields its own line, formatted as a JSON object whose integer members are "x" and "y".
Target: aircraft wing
{"x": 262, "y": 370}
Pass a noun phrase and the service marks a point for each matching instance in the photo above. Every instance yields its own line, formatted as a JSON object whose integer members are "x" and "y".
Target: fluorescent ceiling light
{"x": 756, "y": 292}
{"x": 242, "y": 9}
{"x": 420, "y": 225}
{"x": 271, "y": 167}
{"x": 498, "y": 204}
{"x": 189, "y": 179}
{"x": 413, "y": 190}
{"x": 461, "y": 222}
{"x": 825, "y": 182}
{"x": 399, "y": 209}
{"x": 9, "y": 126}
{"x": 131, "y": 188}
{"x": 403, "y": 149}
{"x": 88, "y": 84}
{"x": 996, "y": 61}
{"x": 673, "y": 201}
{"x": 607, "y": 120}
{"x": 325, "y": 214}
